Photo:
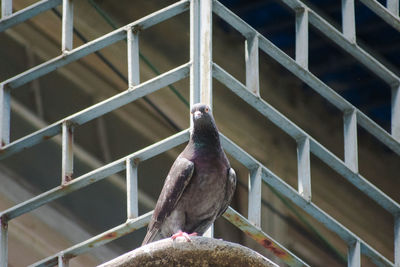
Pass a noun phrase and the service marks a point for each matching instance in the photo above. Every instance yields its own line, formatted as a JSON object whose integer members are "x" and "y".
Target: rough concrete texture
{"x": 200, "y": 251}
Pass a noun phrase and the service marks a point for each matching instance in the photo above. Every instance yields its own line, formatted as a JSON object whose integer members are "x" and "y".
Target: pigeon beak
{"x": 197, "y": 115}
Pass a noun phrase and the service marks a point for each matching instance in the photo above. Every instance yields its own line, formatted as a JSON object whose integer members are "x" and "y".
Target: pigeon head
{"x": 201, "y": 113}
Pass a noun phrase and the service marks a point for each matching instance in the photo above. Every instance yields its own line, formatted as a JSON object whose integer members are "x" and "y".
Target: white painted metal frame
{"x": 202, "y": 70}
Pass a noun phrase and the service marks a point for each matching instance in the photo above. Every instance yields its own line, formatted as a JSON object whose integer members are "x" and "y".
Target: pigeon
{"x": 198, "y": 187}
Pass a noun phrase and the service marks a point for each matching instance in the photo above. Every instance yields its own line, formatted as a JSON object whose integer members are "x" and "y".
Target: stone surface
{"x": 200, "y": 251}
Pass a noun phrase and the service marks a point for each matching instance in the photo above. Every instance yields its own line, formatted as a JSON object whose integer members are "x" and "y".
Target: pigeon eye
{"x": 206, "y": 109}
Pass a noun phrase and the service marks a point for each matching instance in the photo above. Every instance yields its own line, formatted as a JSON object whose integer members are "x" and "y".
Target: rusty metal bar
{"x": 348, "y": 20}
{"x": 133, "y": 57}
{"x": 27, "y": 13}
{"x": 67, "y": 36}
{"x": 350, "y": 139}
{"x": 303, "y": 168}
{"x": 354, "y": 254}
{"x": 132, "y": 189}
{"x": 254, "y": 209}
{"x": 3, "y": 241}
{"x": 62, "y": 261}
{"x": 302, "y": 37}
{"x": 262, "y": 238}
{"x": 5, "y": 109}
{"x": 67, "y": 169}
{"x": 6, "y": 8}
{"x": 252, "y": 65}
{"x": 96, "y": 241}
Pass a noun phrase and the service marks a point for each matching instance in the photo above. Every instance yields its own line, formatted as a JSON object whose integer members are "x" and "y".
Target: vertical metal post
{"x": 133, "y": 58}
{"x": 67, "y": 152}
{"x": 254, "y": 210}
{"x": 206, "y": 52}
{"x": 6, "y": 8}
{"x": 348, "y": 20}
{"x": 3, "y": 242}
{"x": 303, "y": 168}
{"x": 209, "y": 232}
{"x": 62, "y": 261}
{"x": 396, "y": 112}
{"x": 393, "y": 7}
{"x": 397, "y": 240}
{"x": 350, "y": 139}
{"x": 132, "y": 189}
{"x": 302, "y": 37}
{"x": 5, "y": 112}
{"x": 67, "y": 25}
{"x": 252, "y": 66}
{"x": 194, "y": 52}
{"x": 354, "y": 255}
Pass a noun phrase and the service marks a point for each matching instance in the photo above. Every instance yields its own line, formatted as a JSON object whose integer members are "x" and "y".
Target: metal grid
{"x": 202, "y": 70}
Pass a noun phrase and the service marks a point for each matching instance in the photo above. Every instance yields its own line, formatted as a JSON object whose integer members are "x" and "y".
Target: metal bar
{"x": 95, "y": 175}
{"x": 389, "y": 15}
{"x": 303, "y": 168}
{"x": 98, "y": 109}
{"x": 306, "y": 76}
{"x": 262, "y": 238}
{"x": 67, "y": 169}
{"x": 133, "y": 58}
{"x": 350, "y": 139}
{"x": 348, "y": 20}
{"x": 252, "y": 65}
{"x": 96, "y": 44}
{"x": 195, "y": 38}
{"x": 309, "y": 207}
{"x": 6, "y": 8}
{"x": 209, "y": 232}
{"x": 254, "y": 209}
{"x": 395, "y": 129}
{"x": 206, "y": 51}
{"x": 296, "y": 133}
{"x": 5, "y": 109}
{"x": 3, "y": 241}
{"x": 27, "y": 13}
{"x": 302, "y": 37}
{"x": 397, "y": 240}
{"x": 132, "y": 189}
{"x": 99, "y": 240}
{"x": 62, "y": 261}
{"x": 354, "y": 254}
{"x": 67, "y": 35}
{"x": 393, "y": 7}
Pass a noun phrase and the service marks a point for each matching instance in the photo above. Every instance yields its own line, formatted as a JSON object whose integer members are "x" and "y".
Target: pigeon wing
{"x": 230, "y": 190}
{"x": 178, "y": 178}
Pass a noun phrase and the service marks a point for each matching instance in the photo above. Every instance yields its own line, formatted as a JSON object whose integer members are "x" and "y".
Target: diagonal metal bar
{"x": 262, "y": 238}
{"x": 384, "y": 13}
{"x": 94, "y": 176}
{"x": 309, "y": 207}
{"x": 27, "y": 13}
{"x": 296, "y": 133}
{"x": 306, "y": 76}
{"x": 98, "y": 109}
{"x": 97, "y": 44}
{"x": 130, "y": 226}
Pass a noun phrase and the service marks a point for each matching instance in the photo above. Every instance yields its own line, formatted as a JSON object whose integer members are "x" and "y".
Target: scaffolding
{"x": 202, "y": 70}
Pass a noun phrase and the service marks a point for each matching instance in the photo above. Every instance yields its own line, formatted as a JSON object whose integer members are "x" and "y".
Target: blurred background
{"x": 92, "y": 210}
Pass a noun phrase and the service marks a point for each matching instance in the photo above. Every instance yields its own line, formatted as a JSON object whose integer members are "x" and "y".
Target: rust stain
{"x": 4, "y": 221}
{"x": 46, "y": 137}
{"x": 111, "y": 235}
{"x": 2, "y": 151}
{"x": 136, "y": 161}
{"x": 137, "y": 28}
{"x": 269, "y": 245}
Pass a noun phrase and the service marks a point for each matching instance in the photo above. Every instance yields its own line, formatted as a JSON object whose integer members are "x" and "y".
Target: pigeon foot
{"x": 180, "y": 235}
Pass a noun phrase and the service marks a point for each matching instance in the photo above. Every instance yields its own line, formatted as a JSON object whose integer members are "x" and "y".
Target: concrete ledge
{"x": 201, "y": 251}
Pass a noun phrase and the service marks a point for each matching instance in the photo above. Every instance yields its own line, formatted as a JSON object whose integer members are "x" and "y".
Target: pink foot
{"x": 184, "y": 235}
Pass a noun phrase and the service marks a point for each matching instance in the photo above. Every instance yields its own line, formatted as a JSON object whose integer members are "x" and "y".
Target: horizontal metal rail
{"x": 262, "y": 238}
{"x": 95, "y": 45}
{"x": 129, "y": 226}
{"x": 27, "y": 13}
{"x": 277, "y": 183}
{"x": 93, "y": 176}
{"x": 306, "y": 76}
{"x": 297, "y": 133}
{"x": 98, "y": 109}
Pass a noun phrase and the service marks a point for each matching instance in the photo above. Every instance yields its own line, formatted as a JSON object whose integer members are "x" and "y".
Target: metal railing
{"x": 201, "y": 70}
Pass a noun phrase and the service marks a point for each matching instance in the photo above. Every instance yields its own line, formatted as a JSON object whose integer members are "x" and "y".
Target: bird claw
{"x": 184, "y": 235}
